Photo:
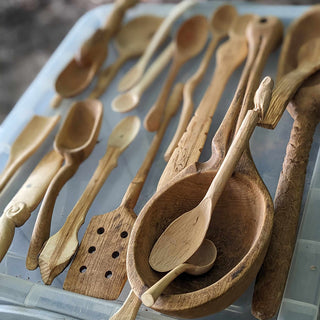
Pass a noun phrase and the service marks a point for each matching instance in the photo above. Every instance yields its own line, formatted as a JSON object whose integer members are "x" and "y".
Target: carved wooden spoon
{"x": 130, "y": 41}
{"x": 220, "y": 25}
{"x": 200, "y": 262}
{"x": 136, "y": 72}
{"x": 60, "y": 247}
{"x": 190, "y": 40}
{"x": 74, "y": 141}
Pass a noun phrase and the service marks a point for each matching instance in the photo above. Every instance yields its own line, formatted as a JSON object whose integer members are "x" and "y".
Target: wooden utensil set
{"x": 211, "y": 220}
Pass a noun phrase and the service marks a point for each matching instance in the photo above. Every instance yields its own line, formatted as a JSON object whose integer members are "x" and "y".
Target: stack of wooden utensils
{"x": 213, "y": 220}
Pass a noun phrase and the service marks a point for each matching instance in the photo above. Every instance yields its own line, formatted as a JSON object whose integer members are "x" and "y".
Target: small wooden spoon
{"x": 190, "y": 40}
{"x": 60, "y": 248}
{"x": 130, "y": 99}
{"x": 26, "y": 144}
{"x": 129, "y": 46}
{"x": 74, "y": 141}
{"x": 182, "y": 238}
{"x": 136, "y": 72}
{"x": 220, "y": 25}
{"x": 199, "y": 263}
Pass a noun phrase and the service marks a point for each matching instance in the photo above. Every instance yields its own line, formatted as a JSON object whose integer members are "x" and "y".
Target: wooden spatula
{"x": 27, "y": 198}
{"x": 101, "y": 257}
{"x": 26, "y": 144}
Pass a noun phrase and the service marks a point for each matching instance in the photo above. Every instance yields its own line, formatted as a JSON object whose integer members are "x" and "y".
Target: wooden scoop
{"x": 184, "y": 235}
{"x": 74, "y": 141}
{"x": 131, "y": 41}
{"x": 305, "y": 110}
{"x": 102, "y": 254}
{"x": 220, "y": 25}
{"x": 199, "y": 263}
{"x": 190, "y": 40}
{"x": 27, "y": 198}
{"x": 136, "y": 72}
{"x": 60, "y": 247}
{"x": 79, "y": 72}
{"x": 130, "y": 99}
{"x": 26, "y": 144}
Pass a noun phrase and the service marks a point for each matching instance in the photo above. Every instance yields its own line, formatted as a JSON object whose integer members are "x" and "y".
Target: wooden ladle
{"x": 220, "y": 25}
{"x": 74, "y": 141}
{"x": 305, "y": 110}
{"x": 190, "y": 40}
{"x": 129, "y": 46}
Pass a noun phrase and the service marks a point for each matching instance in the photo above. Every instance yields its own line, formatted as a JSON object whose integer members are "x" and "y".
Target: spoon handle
{"x": 153, "y": 118}
{"x": 41, "y": 230}
{"x": 129, "y": 309}
{"x": 153, "y": 293}
{"x": 271, "y": 280}
{"x": 106, "y": 76}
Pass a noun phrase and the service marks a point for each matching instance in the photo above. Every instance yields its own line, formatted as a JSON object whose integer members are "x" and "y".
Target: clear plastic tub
{"x": 22, "y": 294}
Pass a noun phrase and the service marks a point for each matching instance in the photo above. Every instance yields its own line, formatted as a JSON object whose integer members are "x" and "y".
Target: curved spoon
{"x": 190, "y": 40}
{"x": 199, "y": 263}
{"x": 220, "y": 25}
{"x": 182, "y": 238}
{"x": 60, "y": 247}
{"x": 74, "y": 141}
{"x": 130, "y": 99}
{"x": 129, "y": 46}
{"x": 136, "y": 72}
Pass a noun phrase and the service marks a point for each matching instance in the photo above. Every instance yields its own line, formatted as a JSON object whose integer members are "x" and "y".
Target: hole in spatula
{"x": 115, "y": 254}
{"x": 263, "y": 20}
{"x": 83, "y": 269}
{"x": 124, "y": 234}
{"x": 108, "y": 274}
{"x": 100, "y": 230}
{"x": 92, "y": 249}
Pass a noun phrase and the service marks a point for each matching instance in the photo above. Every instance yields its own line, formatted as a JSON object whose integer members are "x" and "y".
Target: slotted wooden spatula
{"x": 101, "y": 258}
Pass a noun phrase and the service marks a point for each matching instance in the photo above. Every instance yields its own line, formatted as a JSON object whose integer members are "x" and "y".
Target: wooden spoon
{"x": 129, "y": 46}
{"x": 190, "y": 40}
{"x": 26, "y": 144}
{"x": 136, "y": 72}
{"x": 199, "y": 263}
{"x": 60, "y": 247}
{"x": 220, "y": 25}
{"x": 130, "y": 99}
{"x": 79, "y": 72}
{"x": 184, "y": 235}
{"x": 305, "y": 110}
{"x": 74, "y": 141}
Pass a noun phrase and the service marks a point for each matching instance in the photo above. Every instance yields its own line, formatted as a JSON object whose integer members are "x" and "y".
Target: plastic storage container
{"x": 22, "y": 294}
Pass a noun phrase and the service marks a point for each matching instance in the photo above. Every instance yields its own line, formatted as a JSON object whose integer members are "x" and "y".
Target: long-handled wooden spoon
{"x": 220, "y": 24}
{"x": 79, "y": 72}
{"x": 74, "y": 141}
{"x": 305, "y": 110}
{"x": 60, "y": 247}
{"x": 130, "y": 41}
{"x": 26, "y": 144}
{"x": 136, "y": 72}
{"x": 130, "y": 99}
{"x": 189, "y": 41}
{"x": 27, "y": 198}
{"x": 103, "y": 254}
{"x": 199, "y": 263}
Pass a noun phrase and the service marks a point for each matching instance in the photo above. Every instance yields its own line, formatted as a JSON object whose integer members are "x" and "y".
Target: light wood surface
{"x": 189, "y": 41}
{"x": 75, "y": 143}
{"x": 19, "y": 209}
{"x": 26, "y": 144}
{"x": 304, "y": 108}
{"x": 220, "y": 24}
{"x": 60, "y": 248}
{"x": 229, "y": 56}
{"x": 136, "y": 72}
{"x": 129, "y": 100}
{"x": 130, "y": 41}
{"x": 110, "y": 246}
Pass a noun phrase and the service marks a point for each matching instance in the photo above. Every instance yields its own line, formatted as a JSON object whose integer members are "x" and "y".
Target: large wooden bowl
{"x": 240, "y": 228}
